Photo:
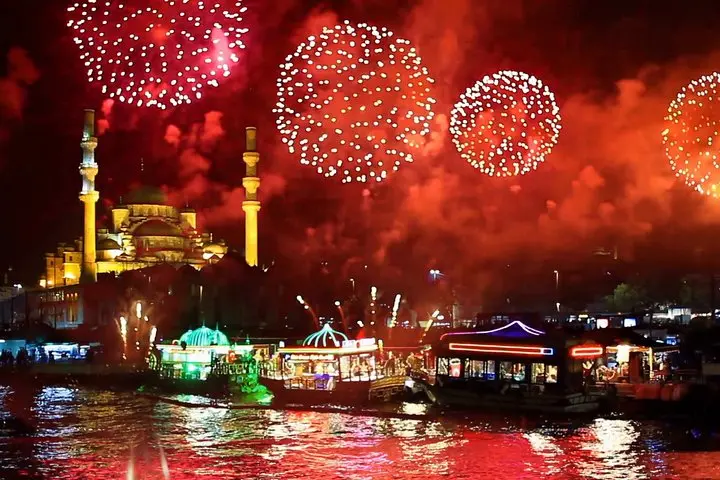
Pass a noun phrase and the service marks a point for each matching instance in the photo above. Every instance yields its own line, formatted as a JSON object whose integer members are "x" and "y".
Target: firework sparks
{"x": 396, "y": 308}
{"x": 123, "y": 335}
{"x": 691, "y": 134}
{"x": 160, "y": 55}
{"x": 354, "y": 102}
{"x": 506, "y": 124}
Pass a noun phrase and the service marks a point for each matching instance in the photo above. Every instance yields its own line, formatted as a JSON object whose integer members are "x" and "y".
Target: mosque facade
{"x": 144, "y": 230}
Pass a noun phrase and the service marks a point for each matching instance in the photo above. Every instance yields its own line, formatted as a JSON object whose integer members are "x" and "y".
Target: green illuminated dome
{"x": 204, "y": 337}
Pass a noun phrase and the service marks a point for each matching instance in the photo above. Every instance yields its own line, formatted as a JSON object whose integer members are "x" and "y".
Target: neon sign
{"x": 503, "y": 349}
{"x": 586, "y": 351}
{"x": 516, "y": 325}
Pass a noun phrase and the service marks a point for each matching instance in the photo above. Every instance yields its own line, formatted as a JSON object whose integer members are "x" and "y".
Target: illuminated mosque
{"x": 144, "y": 229}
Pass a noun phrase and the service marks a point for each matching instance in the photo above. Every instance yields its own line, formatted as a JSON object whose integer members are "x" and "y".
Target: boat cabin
{"x": 202, "y": 353}
{"x": 622, "y": 356}
{"x": 327, "y": 364}
{"x": 512, "y": 357}
{"x": 325, "y": 358}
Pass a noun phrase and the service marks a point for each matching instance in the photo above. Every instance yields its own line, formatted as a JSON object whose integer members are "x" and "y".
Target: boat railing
{"x": 320, "y": 382}
{"x": 270, "y": 371}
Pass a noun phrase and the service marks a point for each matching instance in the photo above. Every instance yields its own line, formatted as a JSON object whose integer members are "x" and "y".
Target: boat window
{"x": 514, "y": 372}
{"x": 538, "y": 373}
{"x": 455, "y": 365}
{"x": 551, "y": 372}
{"x": 542, "y": 373}
{"x": 358, "y": 367}
{"x": 480, "y": 369}
{"x": 505, "y": 370}
{"x": 346, "y": 366}
{"x": 443, "y": 366}
{"x": 490, "y": 369}
{"x": 449, "y": 366}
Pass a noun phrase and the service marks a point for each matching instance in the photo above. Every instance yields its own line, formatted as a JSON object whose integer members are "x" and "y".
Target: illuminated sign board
{"x": 586, "y": 351}
{"x": 528, "y": 350}
{"x": 363, "y": 342}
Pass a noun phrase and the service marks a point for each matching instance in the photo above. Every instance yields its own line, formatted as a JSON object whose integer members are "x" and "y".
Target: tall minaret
{"x": 89, "y": 196}
{"x": 251, "y": 205}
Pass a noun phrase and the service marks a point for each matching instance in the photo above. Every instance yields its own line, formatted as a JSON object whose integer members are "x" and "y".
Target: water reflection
{"x": 98, "y": 435}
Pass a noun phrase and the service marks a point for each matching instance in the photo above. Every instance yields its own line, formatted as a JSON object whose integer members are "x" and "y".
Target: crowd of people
{"x": 7, "y": 359}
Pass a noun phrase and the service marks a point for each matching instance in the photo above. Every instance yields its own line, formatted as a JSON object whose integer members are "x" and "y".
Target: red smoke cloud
{"x": 607, "y": 183}
{"x": 103, "y": 124}
{"x": 220, "y": 202}
{"x": 21, "y": 74}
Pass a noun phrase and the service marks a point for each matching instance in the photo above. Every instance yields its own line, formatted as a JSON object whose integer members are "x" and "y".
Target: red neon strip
{"x": 586, "y": 351}
{"x": 328, "y": 350}
{"x": 509, "y": 349}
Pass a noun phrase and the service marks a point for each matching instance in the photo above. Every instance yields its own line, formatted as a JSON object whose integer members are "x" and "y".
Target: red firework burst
{"x": 157, "y": 52}
{"x": 354, "y": 102}
{"x": 506, "y": 124}
{"x": 691, "y": 138}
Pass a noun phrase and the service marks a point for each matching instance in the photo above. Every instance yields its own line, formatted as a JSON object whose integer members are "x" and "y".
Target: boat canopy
{"x": 204, "y": 337}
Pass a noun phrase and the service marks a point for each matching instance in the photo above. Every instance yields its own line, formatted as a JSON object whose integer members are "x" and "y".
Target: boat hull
{"x": 346, "y": 393}
{"x": 458, "y": 398}
{"x": 210, "y": 386}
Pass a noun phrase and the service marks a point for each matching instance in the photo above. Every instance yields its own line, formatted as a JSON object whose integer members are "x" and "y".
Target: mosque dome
{"x": 146, "y": 195}
{"x": 157, "y": 228}
{"x": 204, "y": 337}
{"x": 108, "y": 244}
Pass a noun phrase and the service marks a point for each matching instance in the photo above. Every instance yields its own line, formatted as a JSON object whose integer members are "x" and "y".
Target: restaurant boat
{"x": 511, "y": 367}
{"x": 203, "y": 361}
{"x": 634, "y": 367}
{"x": 328, "y": 367}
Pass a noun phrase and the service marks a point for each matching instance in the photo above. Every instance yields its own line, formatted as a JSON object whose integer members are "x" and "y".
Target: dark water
{"x": 85, "y": 434}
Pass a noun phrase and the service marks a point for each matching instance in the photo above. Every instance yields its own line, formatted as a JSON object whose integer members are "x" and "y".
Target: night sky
{"x": 614, "y": 66}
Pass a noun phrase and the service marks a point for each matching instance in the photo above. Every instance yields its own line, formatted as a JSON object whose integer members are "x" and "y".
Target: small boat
{"x": 329, "y": 368}
{"x": 204, "y": 362}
